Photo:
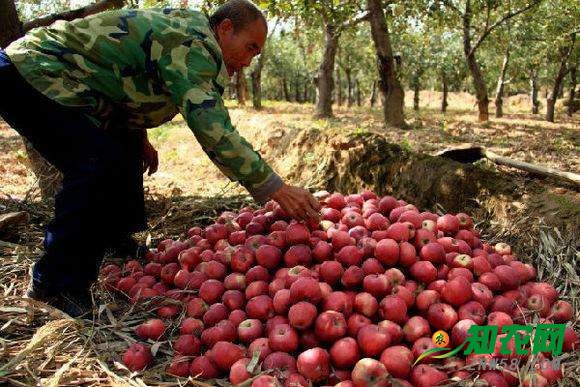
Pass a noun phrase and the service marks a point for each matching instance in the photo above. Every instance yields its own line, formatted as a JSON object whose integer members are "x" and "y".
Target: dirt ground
{"x": 185, "y": 169}
{"x": 39, "y": 347}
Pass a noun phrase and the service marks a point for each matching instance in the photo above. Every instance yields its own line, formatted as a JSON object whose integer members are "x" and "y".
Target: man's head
{"x": 241, "y": 30}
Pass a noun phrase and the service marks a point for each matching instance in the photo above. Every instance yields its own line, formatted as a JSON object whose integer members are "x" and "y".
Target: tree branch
{"x": 90, "y": 9}
{"x": 498, "y": 23}
{"x": 355, "y": 21}
{"x": 452, "y": 6}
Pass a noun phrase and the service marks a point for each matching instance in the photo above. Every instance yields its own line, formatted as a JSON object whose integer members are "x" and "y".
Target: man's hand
{"x": 150, "y": 158}
{"x": 297, "y": 202}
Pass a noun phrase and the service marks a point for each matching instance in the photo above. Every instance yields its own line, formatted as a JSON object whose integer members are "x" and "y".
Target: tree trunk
{"x": 562, "y": 70}
{"x": 534, "y": 91}
{"x": 297, "y": 91}
{"x": 285, "y": 90}
{"x": 480, "y": 89}
{"x": 572, "y": 96}
{"x": 338, "y": 86}
{"x": 324, "y": 78}
{"x": 358, "y": 93}
{"x": 501, "y": 83}
{"x": 305, "y": 91}
{"x": 416, "y": 91}
{"x": 90, "y": 9}
{"x": 257, "y": 81}
{"x": 349, "y": 96}
{"x": 10, "y": 25}
{"x": 444, "y": 103}
{"x": 241, "y": 88}
{"x": 391, "y": 91}
{"x": 474, "y": 69}
{"x": 373, "y": 94}
{"x": 561, "y": 89}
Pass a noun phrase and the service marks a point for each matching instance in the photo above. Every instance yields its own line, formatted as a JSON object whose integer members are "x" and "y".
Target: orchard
{"x": 259, "y": 299}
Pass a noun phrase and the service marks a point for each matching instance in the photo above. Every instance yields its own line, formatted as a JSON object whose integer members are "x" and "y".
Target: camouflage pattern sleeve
{"x": 190, "y": 72}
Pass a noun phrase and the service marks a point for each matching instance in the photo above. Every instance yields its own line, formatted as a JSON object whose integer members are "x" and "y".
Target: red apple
{"x": 298, "y": 255}
{"x": 472, "y": 310}
{"x": 369, "y": 372}
{"x": 282, "y": 363}
{"x": 372, "y": 340}
{"x": 233, "y": 299}
{"x": 249, "y": 330}
{"x": 448, "y": 223}
{"x": 423, "y": 271}
{"x": 508, "y": 276}
{"x": 211, "y": 291}
{"x": 366, "y": 304}
{"x": 283, "y": 338}
{"x": 339, "y": 302}
{"x": 281, "y": 301}
{"x": 330, "y": 326}
{"x": 500, "y": 319}
{"x": 355, "y": 323}
{"x": 151, "y": 329}
{"x": 187, "y": 345}
{"x": 260, "y": 345}
{"x": 441, "y": 316}
{"x": 239, "y": 372}
{"x": 432, "y": 252}
{"x": 302, "y": 315}
{"x": 203, "y": 367}
{"x": 393, "y": 308}
{"x": 179, "y": 366}
{"x": 561, "y": 312}
{"x": 459, "y": 332}
{"x": 397, "y": 360}
{"x": 260, "y": 307}
{"x": 426, "y": 298}
{"x": 345, "y": 353}
{"x": 305, "y": 289}
{"x": 331, "y": 272}
{"x": 191, "y": 326}
{"x": 415, "y": 328}
{"x": 137, "y": 357}
{"x": 314, "y": 364}
{"x": 352, "y": 277}
{"x": 242, "y": 259}
{"x": 225, "y": 354}
{"x": 457, "y": 291}
{"x": 424, "y": 375}
{"x": 237, "y": 316}
{"x": 387, "y": 251}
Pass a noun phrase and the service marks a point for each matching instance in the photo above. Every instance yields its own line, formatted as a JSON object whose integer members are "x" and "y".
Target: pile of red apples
{"x": 350, "y": 301}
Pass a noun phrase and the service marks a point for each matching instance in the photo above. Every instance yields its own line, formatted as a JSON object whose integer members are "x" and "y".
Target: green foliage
{"x": 427, "y": 36}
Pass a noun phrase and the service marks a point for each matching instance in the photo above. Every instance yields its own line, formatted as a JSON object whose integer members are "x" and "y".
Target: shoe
{"x": 126, "y": 246}
{"x": 75, "y": 304}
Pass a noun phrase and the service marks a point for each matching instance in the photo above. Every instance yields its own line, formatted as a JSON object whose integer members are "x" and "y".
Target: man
{"x": 83, "y": 92}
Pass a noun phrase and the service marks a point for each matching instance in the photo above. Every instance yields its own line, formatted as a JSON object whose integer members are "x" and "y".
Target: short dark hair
{"x": 240, "y": 12}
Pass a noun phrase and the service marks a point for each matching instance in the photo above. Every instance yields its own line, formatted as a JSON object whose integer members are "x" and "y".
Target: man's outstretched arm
{"x": 192, "y": 85}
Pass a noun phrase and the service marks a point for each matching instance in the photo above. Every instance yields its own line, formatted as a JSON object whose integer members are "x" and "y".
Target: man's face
{"x": 241, "y": 46}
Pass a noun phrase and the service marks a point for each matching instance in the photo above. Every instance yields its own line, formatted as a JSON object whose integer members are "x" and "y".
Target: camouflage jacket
{"x": 148, "y": 65}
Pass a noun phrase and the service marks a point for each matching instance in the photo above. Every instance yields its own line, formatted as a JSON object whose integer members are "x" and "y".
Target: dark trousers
{"x": 101, "y": 199}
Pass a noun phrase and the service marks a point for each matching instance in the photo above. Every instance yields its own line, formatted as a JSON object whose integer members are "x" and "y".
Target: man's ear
{"x": 225, "y": 27}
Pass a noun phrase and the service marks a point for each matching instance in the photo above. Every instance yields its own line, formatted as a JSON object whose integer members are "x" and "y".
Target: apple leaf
{"x": 251, "y": 367}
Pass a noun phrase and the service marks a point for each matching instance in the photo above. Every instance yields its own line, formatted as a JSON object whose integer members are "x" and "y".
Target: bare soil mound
{"x": 511, "y": 201}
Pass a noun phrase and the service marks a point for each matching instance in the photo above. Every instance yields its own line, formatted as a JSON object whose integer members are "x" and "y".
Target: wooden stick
{"x": 570, "y": 177}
